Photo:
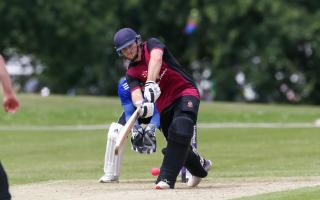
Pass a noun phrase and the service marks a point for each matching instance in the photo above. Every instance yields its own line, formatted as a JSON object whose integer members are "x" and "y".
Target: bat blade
{"x": 123, "y": 135}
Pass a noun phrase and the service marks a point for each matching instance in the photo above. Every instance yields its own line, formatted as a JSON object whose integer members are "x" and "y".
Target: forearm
{"x": 6, "y": 85}
{"x": 5, "y": 79}
{"x": 154, "y": 64}
{"x": 136, "y": 96}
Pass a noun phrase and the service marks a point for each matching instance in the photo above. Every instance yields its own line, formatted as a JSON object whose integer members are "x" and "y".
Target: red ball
{"x": 155, "y": 171}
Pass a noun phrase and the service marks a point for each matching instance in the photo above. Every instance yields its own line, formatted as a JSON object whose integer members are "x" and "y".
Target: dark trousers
{"x": 178, "y": 120}
{"x": 4, "y": 186}
{"x": 177, "y": 124}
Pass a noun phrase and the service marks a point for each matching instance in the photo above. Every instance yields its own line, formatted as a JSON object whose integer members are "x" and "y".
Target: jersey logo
{"x": 190, "y": 104}
{"x": 125, "y": 86}
{"x": 162, "y": 74}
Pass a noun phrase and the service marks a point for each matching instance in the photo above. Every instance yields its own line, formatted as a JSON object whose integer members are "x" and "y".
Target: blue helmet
{"x": 123, "y": 38}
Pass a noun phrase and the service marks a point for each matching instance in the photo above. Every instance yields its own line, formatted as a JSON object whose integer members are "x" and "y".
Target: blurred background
{"x": 239, "y": 50}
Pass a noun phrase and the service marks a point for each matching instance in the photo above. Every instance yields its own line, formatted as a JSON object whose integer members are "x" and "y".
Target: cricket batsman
{"x": 177, "y": 99}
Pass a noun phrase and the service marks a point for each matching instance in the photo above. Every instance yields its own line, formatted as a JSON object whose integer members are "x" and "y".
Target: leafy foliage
{"x": 273, "y": 43}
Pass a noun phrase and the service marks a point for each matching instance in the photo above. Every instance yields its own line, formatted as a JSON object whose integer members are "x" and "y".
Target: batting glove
{"x": 151, "y": 91}
{"x": 147, "y": 109}
{"x": 137, "y": 138}
{"x": 149, "y": 139}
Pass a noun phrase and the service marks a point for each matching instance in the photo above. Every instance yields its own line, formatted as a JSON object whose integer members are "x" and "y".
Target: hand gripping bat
{"x": 123, "y": 135}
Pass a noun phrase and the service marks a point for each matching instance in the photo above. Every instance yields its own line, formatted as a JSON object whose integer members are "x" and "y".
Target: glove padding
{"x": 147, "y": 109}
{"x": 137, "y": 138}
{"x": 149, "y": 139}
{"x": 144, "y": 142}
{"x": 151, "y": 91}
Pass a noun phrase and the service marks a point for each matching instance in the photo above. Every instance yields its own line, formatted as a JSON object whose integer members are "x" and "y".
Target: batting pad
{"x": 112, "y": 162}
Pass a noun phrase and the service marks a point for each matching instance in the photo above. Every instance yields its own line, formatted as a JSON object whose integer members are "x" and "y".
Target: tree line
{"x": 262, "y": 51}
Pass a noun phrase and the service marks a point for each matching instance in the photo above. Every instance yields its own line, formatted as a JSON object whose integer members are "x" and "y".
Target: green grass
{"x": 61, "y": 110}
{"x": 241, "y": 112}
{"x": 262, "y": 152}
{"x": 41, "y": 156}
{"x": 246, "y": 152}
{"x": 310, "y": 193}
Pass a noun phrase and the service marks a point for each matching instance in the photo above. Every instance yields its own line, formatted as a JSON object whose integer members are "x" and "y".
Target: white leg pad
{"x": 112, "y": 162}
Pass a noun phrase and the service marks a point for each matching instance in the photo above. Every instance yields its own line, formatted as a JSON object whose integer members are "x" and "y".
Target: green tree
{"x": 273, "y": 43}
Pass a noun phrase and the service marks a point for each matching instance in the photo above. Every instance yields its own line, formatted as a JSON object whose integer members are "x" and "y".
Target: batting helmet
{"x": 123, "y": 38}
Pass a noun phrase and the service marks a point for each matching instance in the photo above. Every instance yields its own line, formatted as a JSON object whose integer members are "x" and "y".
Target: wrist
{"x": 137, "y": 103}
{"x": 150, "y": 81}
{"x": 9, "y": 94}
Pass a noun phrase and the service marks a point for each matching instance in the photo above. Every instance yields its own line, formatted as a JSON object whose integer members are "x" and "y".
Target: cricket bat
{"x": 123, "y": 135}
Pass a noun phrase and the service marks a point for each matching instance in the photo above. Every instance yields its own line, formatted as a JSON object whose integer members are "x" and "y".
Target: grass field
{"x": 36, "y": 156}
{"x": 61, "y": 110}
{"x": 299, "y": 194}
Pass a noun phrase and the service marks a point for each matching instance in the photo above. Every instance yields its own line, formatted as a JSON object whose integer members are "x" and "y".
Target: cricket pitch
{"x": 218, "y": 189}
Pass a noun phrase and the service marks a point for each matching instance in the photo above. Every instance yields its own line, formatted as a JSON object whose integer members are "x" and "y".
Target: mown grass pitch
{"x": 62, "y": 110}
{"x": 309, "y": 193}
{"x": 41, "y": 156}
{"x": 35, "y": 156}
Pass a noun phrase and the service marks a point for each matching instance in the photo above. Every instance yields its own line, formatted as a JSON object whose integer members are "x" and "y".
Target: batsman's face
{"x": 130, "y": 52}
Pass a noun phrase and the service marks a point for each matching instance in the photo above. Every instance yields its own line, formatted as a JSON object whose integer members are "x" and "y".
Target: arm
{"x": 10, "y": 102}
{"x": 125, "y": 99}
{"x": 154, "y": 64}
{"x": 147, "y": 108}
{"x": 135, "y": 89}
{"x": 129, "y": 112}
{"x": 152, "y": 90}
{"x": 5, "y": 79}
{"x": 136, "y": 96}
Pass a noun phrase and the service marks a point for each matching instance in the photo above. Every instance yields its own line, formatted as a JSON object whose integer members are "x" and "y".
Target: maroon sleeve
{"x": 154, "y": 43}
{"x": 132, "y": 82}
